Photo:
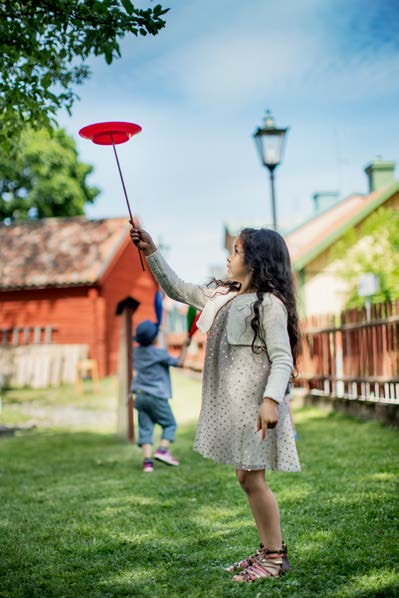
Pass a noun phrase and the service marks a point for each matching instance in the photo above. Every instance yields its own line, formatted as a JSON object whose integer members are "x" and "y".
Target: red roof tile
{"x": 58, "y": 251}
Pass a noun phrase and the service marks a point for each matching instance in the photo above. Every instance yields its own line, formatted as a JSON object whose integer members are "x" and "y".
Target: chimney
{"x": 323, "y": 200}
{"x": 380, "y": 173}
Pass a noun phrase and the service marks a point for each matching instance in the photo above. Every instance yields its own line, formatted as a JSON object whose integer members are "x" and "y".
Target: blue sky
{"x": 327, "y": 69}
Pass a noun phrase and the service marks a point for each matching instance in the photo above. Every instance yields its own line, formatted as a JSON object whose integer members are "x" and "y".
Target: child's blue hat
{"x": 146, "y": 332}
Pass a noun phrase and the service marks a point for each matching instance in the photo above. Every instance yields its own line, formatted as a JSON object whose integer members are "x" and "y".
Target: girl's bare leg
{"x": 264, "y": 507}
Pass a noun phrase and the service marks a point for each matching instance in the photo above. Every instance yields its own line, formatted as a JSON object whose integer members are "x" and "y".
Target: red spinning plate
{"x": 105, "y": 133}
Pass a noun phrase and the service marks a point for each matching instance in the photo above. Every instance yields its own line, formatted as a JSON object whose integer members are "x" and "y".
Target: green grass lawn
{"x": 80, "y": 519}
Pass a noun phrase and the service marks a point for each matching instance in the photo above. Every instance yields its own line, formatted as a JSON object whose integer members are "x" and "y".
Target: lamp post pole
{"x": 274, "y": 211}
{"x": 269, "y": 141}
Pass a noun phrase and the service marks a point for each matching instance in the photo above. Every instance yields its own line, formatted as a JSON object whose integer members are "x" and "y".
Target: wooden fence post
{"x": 125, "y": 425}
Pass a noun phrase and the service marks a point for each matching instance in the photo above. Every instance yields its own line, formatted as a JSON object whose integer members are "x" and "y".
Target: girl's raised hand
{"x": 142, "y": 239}
{"x": 267, "y": 416}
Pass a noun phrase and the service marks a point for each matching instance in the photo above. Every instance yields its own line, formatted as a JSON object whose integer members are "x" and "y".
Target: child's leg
{"x": 166, "y": 420}
{"x": 146, "y": 425}
{"x": 264, "y": 507}
{"x": 147, "y": 450}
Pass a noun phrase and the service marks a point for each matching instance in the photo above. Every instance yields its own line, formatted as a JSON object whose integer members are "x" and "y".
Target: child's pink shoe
{"x": 165, "y": 457}
{"x": 148, "y": 466}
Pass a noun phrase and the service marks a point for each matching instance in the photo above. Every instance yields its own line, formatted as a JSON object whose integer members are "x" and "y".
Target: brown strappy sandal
{"x": 240, "y": 565}
{"x": 269, "y": 563}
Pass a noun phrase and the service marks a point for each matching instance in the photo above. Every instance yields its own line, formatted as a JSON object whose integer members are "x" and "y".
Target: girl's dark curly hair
{"x": 266, "y": 254}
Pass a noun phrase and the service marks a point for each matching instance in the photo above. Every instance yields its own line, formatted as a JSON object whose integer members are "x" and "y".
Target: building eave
{"x": 301, "y": 262}
{"x": 41, "y": 287}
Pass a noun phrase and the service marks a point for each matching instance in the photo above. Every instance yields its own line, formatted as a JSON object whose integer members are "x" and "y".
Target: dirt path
{"x": 61, "y": 416}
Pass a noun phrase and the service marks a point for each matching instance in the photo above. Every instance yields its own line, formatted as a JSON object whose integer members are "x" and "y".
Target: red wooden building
{"x": 67, "y": 275}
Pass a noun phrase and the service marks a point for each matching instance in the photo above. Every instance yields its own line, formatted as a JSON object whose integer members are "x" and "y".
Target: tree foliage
{"x": 45, "y": 178}
{"x": 372, "y": 248}
{"x": 44, "y": 46}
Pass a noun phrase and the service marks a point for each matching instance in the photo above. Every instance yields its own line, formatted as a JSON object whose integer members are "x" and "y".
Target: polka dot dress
{"x": 233, "y": 385}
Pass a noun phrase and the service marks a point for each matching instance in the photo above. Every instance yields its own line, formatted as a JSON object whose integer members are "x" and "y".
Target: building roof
{"x": 311, "y": 238}
{"x": 58, "y": 251}
{"x": 314, "y": 236}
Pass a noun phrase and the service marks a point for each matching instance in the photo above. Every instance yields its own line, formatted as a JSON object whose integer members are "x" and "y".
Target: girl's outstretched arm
{"x": 174, "y": 287}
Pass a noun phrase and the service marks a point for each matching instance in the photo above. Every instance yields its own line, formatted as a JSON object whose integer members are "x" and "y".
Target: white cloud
{"x": 231, "y": 69}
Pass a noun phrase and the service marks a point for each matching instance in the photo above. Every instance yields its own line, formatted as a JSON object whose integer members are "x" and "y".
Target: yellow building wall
{"x": 323, "y": 291}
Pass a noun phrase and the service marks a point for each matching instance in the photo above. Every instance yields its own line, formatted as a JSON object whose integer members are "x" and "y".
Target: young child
{"x": 252, "y": 326}
{"x": 152, "y": 387}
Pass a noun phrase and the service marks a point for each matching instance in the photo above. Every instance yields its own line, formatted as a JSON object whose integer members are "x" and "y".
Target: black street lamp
{"x": 270, "y": 145}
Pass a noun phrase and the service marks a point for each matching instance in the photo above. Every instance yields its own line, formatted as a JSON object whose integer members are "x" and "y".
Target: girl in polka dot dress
{"x": 252, "y": 327}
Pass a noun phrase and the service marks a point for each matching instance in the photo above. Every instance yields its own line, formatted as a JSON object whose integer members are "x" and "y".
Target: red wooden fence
{"x": 354, "y": 355}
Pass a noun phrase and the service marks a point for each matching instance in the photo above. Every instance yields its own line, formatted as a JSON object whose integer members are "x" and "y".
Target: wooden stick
{"x": 126, "y": 197}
